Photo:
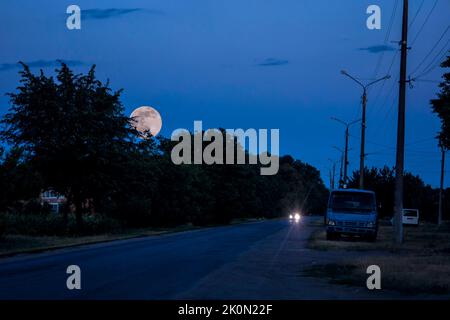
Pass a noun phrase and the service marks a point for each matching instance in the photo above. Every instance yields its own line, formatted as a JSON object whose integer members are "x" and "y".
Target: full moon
{"x": 146, "y": 119}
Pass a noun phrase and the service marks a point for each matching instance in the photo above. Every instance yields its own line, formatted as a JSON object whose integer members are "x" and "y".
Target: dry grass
{"x": 419, "y": 266}
{"x": 425, "y": 238}
{"x": 412, "y": 274}
{"x": 16, "y": 244}
{"x": 12, "y": 244}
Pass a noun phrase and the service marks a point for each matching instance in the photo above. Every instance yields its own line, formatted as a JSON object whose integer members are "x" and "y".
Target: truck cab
{"x": 352, "y": 212}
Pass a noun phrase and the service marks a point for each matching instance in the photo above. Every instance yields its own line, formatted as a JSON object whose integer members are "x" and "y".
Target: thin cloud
{"x": 378, "y": 49}
{"x": 40, "y": 64}
{"x": 272, "y": 62}
{"x": 99, "y": 14}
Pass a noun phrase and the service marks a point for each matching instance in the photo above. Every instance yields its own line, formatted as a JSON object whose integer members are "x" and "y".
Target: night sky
{"x": 248, "y": 64}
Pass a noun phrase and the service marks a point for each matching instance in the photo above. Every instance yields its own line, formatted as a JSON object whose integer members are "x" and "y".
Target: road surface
{"x": 261, "y": 260}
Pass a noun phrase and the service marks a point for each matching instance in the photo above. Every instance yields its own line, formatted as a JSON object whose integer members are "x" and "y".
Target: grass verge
{"x": 421, "y": 265}
{"x": 13, "y": 244}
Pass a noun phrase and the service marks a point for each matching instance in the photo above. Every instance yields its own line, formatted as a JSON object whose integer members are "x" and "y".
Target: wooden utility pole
{"x": 333, "y": 172}
{"x": 341, "y": 177}
{"x": 441, "y": 189}
{"x": 347, "y": 133}
{"x": 341, "y": 159}
{"x": 363, "y": 140}
{"x": 400, "y": 157}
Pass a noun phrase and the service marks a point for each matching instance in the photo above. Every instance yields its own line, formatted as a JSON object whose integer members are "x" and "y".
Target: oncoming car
{"x": 295, "y": 217}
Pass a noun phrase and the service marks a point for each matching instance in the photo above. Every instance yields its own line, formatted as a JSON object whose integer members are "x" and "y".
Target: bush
{"x": 95, "y": 224}
{"x": 35, "y": 207}
{"x": 134, "y": 212}
{"x": 33, "y": 224}
{"x": 55, "y": 225}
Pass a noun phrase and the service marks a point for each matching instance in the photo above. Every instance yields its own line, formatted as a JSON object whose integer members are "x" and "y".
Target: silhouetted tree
{"x": 441, "y": 106}
{"x": 72, "y": 131}
{"x": 18, "y": 181}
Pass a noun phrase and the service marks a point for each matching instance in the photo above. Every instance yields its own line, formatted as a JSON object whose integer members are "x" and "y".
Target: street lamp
{"x": 342, "y": 165}
{"x": 347, "y": 134}
{"x": 363, "y": 124}
{"x": 332, "y": 172}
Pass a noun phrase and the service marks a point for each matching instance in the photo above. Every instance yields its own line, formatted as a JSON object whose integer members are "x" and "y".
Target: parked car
{"x": 352, "y": 212}
{"x": 411, "y": 216}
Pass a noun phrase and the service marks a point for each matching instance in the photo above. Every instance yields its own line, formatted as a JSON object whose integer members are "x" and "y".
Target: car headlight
{"x": 291, "y": 217}
{"x": 331, "y": 223}
{"x": 297, "y": 216}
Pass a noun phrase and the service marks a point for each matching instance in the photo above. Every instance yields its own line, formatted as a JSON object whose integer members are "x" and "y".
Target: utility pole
{"x": 331, "y": 179}
{"x": 347, "y": 134}
{"x": 363, "y": 124}
{"x": 346, "y": 156}
{"x": 341, "y": 182}
{"x": 332, "y": 173}
{"x": 400, "y": 157}
{"x": 341, "y": 166}
{"x": 363, "y": 140}
{"x": 441, "y": 189}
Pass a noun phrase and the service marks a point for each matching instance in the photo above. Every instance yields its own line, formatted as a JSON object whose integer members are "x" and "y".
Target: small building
{"x": 53, "y": 199}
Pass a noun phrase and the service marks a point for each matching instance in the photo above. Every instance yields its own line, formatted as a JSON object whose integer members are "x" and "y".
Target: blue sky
{"x": 246, "y": 64}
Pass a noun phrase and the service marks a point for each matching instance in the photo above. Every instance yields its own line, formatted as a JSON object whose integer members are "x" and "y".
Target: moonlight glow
{"x": 146, "y": 119}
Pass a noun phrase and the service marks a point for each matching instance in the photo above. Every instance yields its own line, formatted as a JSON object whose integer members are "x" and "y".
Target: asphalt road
{"x": 260, "y": 260}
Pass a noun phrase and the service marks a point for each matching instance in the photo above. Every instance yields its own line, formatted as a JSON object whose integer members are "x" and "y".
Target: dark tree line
{"x": 70, "y": 134}
{"x": 417, "y": 194}
{"x": 441, "y": 106}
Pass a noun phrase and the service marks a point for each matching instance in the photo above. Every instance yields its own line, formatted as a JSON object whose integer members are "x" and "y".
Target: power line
{"x": 417, "y": 13}
{"x": 383, "y": 84}
{"x": 422, "y": 27}
{"x": 427, "y": 70}
{"x": 424, "y": 23}
{"x": 389, "y": 147}
{"x": 380, "y": 89}
{"x": 436, "y": 62}
{"x": 389, "y": 108}
{"x": 432, "y": 49}
{"x": 386, "y": 39}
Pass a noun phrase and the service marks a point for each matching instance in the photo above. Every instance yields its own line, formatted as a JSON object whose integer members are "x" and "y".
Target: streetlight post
{"x": 332, "y": 173}
{"x": 347, "y": 134}
{"x": 363, "y": 123}
{"x": 341, "y": 166}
